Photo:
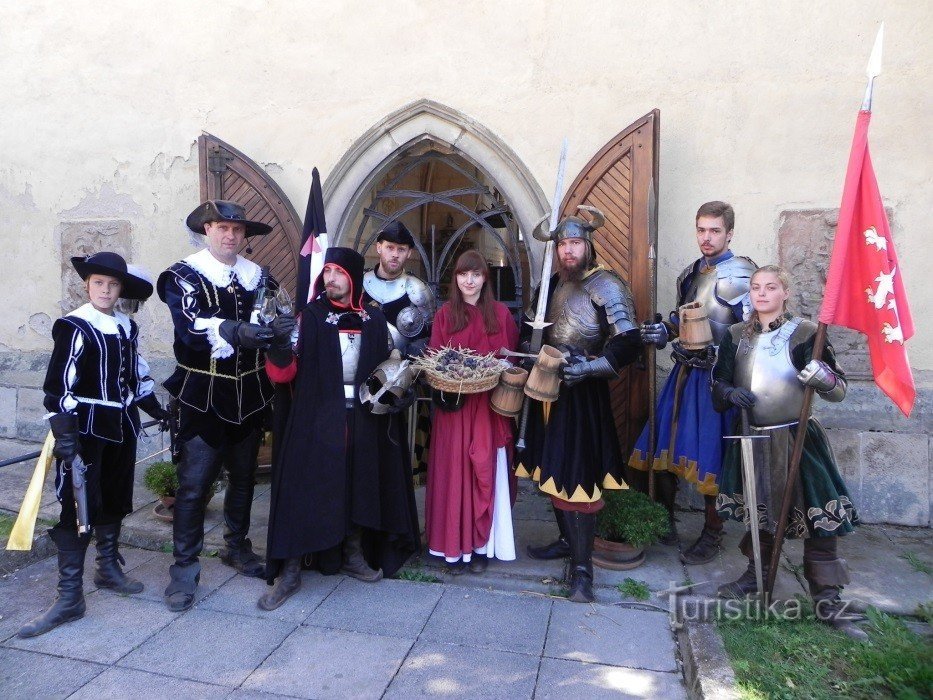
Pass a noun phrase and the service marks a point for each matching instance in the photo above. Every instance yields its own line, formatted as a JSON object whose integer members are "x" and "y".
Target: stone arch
{"x": 371, "y": 156}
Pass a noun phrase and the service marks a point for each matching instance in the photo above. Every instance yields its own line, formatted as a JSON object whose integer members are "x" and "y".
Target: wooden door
{"x": 226, "y": 173}
{"x": 617, "y": 181}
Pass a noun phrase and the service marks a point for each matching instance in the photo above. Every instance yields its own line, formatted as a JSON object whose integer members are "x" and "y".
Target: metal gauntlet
{"x": 600, "y": 368}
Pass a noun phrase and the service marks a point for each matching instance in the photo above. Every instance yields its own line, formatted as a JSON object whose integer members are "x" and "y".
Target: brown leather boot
{"x": 826, "y": 575}
{"x": 353, "y": 562}
{"x": 285, "y": 587}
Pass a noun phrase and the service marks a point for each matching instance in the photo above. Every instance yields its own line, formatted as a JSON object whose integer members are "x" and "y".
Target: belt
{"x": 213, "y": 373}
{"x": 102, "y": 402}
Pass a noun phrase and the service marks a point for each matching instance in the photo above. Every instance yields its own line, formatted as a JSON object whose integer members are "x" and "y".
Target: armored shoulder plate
{"x": 419, "y": 293}
{"x": 610, "y": 292}
{"x": 682, "y": 277}
{"x": 733, "y": 278}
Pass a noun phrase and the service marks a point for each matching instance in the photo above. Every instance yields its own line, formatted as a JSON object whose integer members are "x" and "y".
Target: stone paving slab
{"x": 155, "y": 577}
{"x": 393, "y": 608}
{"x": 113, "y": 626}
{"x": 25, "y": 675}
{"x": 449, "y": 670}
{"x": 26, "y": 593}
{"x": 314, "y": 662}
{"x": 118, "y": 683}
{"x": 208, "y": 646}
{"x": 489, "y": 620}
{"x": 611, "y": 635}
{"x": 240, "y": 595}
{"x": 560, "y": 679}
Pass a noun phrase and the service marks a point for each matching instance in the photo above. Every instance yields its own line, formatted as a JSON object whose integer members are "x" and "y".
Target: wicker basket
{"x": 442, "y": 382}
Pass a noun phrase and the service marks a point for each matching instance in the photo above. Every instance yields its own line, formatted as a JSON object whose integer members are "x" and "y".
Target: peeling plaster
{"x": 105, "y": 203}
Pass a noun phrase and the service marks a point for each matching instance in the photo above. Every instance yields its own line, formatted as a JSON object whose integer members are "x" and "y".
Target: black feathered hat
{"x": 223, "y": 210}
{"x": 396, "y": 232}
{"x": 113, "y": 265}
{"x": 352, "y": 264}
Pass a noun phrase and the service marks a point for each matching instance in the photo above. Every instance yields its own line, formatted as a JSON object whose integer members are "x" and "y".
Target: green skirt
{"x": 821, "y": 504}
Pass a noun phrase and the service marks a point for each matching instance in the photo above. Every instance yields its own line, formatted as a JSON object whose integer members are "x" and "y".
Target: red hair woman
{"x": 468, "y": 514}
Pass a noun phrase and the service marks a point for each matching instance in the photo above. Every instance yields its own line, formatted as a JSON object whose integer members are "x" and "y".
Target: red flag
{"x": 864, "y": 286}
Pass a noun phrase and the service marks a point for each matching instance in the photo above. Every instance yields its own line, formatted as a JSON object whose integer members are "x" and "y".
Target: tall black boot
{"x": 747, "y": 584}
{"x": 709, "y": 542}
{"x": 665, "y": 493}
{"x": 285, "y": 587}
{"x": 581, "y": 528}
{"x": 199, "y": 466}
{"x": 826, "y": 575}
{"x": 238, "y": 552}
{"x": 353, "y": 562}
{"x": 109, "y": 574}
{"x": 559, "y": 548}
{"x": 69, "y": 603}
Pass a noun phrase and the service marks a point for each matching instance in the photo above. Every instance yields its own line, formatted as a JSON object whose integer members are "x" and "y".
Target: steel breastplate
{"x": 703, "y": 289}
{"x": 575, "y": 322}
{"x": 382, "y": 290}
{"x": 350, "y": 357}
{"x": 763, "y": 364}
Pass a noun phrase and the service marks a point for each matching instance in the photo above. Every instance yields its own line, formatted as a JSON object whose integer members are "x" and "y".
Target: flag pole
{"x": 819, "y": 344}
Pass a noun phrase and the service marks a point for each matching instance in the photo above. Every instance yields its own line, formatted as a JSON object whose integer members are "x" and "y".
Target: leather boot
{"x": 559, "y": 548}
{"x": 238, "y": 552}
{"x": 709, "y": 542}
{"x": 108, "y": 573}
{"x": 826, "y": 574}
{"x": 285, "y": 587}
{"x": 665, "y": 493}
{"x": 353, "y": 562}
{"x": 581, "y": 527}
{"x": 746, "y": 584}
{"x": 69, "y": 603}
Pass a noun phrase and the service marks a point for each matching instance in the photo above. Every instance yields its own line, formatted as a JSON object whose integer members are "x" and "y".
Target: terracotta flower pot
{"x": 617, "y": 556}
{"x": 164, "y": 509}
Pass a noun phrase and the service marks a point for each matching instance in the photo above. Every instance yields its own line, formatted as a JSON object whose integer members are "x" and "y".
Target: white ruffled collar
{"x": 246, "y": 271}
{"x": 105, "y": 323}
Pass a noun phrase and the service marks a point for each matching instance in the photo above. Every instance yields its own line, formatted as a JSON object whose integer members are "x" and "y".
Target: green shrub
{"x": 161, "y": 478}
{"x": 630, "y": 516}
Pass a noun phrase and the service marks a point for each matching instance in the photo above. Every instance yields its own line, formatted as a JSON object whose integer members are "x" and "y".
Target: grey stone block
{"x": 25, "y": 675}
{"x": 449, "y": 670}
{"x": 29, "y": 411}
{"x": 611, "y": 635}
{"x": 118, "y": 683}
{"x": 111, "y": 628}
{"x": 389, "y": 607}
{"x": 7, "y": 411}
{"x": 315, "y": 662}
{"x": 208, "y": 646}
{"x": 490, "y": 620}
{"x": 895, "y": 478}
{"x": 155, "y": 577}
{"x": 571, "y": 680}
{"x": 240, "y": 595}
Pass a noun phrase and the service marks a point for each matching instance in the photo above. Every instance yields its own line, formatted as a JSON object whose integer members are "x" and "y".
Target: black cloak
{"x": 339, "y": 468}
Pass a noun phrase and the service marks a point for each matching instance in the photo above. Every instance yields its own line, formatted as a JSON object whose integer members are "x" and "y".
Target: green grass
{"x": 7, "y": 521}
{"x": 417, "y": 575}
{"x": 807, "y": 659}
{"x": 559, "y": 591}
{"x": 632, "y": 588}
{"x": 917, "y": 564}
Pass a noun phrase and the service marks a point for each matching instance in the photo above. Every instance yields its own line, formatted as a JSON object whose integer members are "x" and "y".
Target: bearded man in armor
{"x": 689, "y": 430}
{"x": 405, "y": 300}
{"x": 220, "y": 387}
{"x": 572, "y": 447}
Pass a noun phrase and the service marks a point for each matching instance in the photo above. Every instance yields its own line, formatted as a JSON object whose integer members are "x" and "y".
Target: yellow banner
{"x": 25, "y": 525}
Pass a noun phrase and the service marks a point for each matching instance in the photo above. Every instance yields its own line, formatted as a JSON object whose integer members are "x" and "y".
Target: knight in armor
{"x": 405, "y": 300}
{"x": 95, "y": 384}
{"x": 220, "y": 387}
{"x": 342, "y": 489}
{"x": 689, "y": 431}
{"x": 763, "y": 367}
{"x": 572, "y": 448}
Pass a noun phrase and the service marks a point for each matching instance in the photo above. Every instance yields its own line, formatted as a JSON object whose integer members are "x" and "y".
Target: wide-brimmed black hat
{"x": 396, "y": 232}
{"x": 223, "y": 210}
{"x": 113, "y": 265}
{"x": 351, "y": 263}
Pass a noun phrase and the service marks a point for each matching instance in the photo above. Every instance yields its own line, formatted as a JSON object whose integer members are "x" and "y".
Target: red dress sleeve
{"x": 439, "y": 336}
{"x": 282, "y": 375}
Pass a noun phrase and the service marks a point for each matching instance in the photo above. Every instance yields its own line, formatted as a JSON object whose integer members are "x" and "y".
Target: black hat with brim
{"x": 223, "y": 210}
{"x": 398, "y": 233}
{"x": 113, "y": 265}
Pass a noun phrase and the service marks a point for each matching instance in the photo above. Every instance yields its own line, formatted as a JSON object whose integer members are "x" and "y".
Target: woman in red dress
{"x": 468, "y": 509}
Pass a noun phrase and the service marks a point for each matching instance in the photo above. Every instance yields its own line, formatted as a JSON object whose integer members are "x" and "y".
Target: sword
{"x": 539, "y": 324}
{"x": 749, "y": 486}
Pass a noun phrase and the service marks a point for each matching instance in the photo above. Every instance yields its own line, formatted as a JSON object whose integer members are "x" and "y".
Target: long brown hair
{"x": 472, "y": 260}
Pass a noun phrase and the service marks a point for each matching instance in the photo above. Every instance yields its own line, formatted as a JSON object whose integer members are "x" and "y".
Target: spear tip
{"x": 873, "y": 69}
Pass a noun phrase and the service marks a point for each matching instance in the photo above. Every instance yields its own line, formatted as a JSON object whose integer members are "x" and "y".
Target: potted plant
{"x": 627, "y": 524}
{"x": 162, "y": 479}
